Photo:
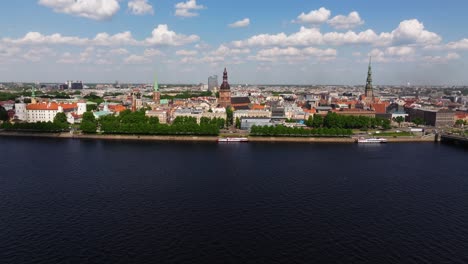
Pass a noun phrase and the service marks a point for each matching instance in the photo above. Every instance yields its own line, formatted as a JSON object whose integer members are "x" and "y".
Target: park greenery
{"x": 283, "y": 131}
{"x": 94, "y": 98}
{"x": 399, "y": 120}
{"x": 333, "y": 120}
{"x": 186, "y": 95}
{"x": 418, "y": 121}
{"x": 128, "y": 122}
{"x": 394, "y": 134}
{"x": 3, "y": 114}
{"x": 59, "y": 125}
{"x": 229, "y": 116}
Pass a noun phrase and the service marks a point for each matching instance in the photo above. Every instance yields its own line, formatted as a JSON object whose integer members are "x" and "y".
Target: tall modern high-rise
{"x": 212, "y": 83}
{"x": 369, "y": 93}
{"x": 156, "y": 93}
{"x": 225, "y": 91}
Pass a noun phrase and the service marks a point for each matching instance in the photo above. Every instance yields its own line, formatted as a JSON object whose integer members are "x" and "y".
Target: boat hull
{"x": 226, "y": 140}
{"x": 371, "y": 140}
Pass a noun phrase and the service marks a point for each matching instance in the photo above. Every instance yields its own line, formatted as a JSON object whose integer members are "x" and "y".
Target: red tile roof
{"x": 51, "y": 106}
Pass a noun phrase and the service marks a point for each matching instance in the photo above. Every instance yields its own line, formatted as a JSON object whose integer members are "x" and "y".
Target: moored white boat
{"x": 371, "y": 140}
{"x": 232, "y": 139}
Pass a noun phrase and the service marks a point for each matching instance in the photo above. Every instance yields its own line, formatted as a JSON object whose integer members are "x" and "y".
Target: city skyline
{"x": 325, "y": 42}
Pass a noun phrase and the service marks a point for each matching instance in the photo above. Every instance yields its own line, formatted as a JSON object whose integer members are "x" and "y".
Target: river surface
{"x": 90, "y": 201}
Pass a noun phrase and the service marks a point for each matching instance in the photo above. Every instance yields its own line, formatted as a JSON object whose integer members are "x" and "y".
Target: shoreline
{"x": 208, "y": 138}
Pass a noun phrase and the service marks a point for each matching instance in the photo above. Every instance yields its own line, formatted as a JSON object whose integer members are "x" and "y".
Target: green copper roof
{"x": 156, "y": 86}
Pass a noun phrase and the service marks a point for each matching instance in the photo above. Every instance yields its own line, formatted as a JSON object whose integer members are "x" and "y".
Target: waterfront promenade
{"x": 209, "y": 138}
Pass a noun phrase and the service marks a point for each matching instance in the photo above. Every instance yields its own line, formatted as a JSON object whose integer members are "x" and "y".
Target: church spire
{"x": 156, "y": 86}
{"x": 369, "y": 89}
{"x": 225, "y": 85}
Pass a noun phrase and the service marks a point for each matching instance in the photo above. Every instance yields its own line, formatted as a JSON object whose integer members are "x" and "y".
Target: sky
{"x": 260, "y": 42}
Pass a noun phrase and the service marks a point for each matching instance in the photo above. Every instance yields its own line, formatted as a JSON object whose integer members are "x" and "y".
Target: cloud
{"x": 224, "y": 51}
{"x": 123, "y": 38}
{"x": 291, "y": 51}
{"x": 38, "y": 38}
{"x": 314, "y": 17}
{"x": 36, "y": 54}
{"x": 120, "y": 51}
{"x": 241, "y": 23}
{"x": 8, "y": 51}
{"x": 400, "y": 51}
{"x": 458, "y": 45}
{"x": 67, "y": 58}
{"x": 408, "y": 32}
{"x": 187, "y": 53}
{"x": 140, "y": 7}
{"x": 136, "y": 59}
{"x": 394, "y": 54}
{"x": 412, "y": 31}
{"x": 292, "y": 54}
{"x": 346, "y": 22}
{"x": 163, "y": 36}
{"x": 305, "y": 36}
{"x": 442, "y": 59}
{"x": 185, "y": 9}
{"x": 92, "y": 9}
{"x": 152, "y": 52}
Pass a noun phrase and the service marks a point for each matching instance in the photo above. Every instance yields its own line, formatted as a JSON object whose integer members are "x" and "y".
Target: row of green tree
{"x": 333, "y": 120}
{"x": 60, "y": 124}
{"x": 186, "y": 95}
{"x": 284, "y": 131}
{"x": 128, "y": 122}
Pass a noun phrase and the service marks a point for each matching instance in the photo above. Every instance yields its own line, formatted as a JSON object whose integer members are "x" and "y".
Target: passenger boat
{"x": 232, "y": 139}
{"x": 371, "y": 140}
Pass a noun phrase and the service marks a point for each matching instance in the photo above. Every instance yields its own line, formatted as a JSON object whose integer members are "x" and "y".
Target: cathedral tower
{"x": 369, "y": 89}
{"x": 225, "y": 91}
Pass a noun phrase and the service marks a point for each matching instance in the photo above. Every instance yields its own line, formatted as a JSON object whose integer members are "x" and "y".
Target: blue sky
{"x": 185, "y": 41}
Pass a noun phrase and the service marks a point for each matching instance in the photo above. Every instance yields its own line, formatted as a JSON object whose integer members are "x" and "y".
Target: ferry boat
{"x": 371, "y": 140}
{"x": 232, "y": 139}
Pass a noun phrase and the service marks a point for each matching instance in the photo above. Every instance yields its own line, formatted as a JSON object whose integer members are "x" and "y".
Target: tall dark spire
{"x": 225, "y": 85}
{"x": 369, "y": 89}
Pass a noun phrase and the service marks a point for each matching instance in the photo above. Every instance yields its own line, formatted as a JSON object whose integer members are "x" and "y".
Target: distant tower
{"x": 369, "y": 90}
{"x": 212, "y": 83}
{"x": 33, "y": 94}
{"x": 135, "y": 97}
{"x": 156, "y": 93}
{"x": 225, "y": 91}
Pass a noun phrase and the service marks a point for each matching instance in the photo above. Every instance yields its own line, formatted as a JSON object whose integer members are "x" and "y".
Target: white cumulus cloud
{"x": 186, "y": 9}
{"x": 241, "y": 23}
{"x": 459, "y": 45}
{"x": 140, "y": 7}
{"x": 161, "y": 35}
{"x": 92, "y": 9}
{"x": 413, "y": 31}
{"x": 408, "y": 32}
{"x": 346, "y": 22}
{"x": 152, "y": 52}
{"x": 315, "y": 16}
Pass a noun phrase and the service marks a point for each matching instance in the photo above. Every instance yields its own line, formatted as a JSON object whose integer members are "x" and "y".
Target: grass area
{"x": 394, "y": 134}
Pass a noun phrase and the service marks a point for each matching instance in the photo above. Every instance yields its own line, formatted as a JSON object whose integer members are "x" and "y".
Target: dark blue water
{"x": 68, "y": 201}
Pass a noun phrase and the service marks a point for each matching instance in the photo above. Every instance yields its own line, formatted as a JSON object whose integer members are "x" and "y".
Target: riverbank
{"x": 208, "y": 138}
{"x": 111, "y": 137}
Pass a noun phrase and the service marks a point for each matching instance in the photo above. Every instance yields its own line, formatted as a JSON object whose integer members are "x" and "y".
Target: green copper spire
{"x": 156, "y": 86}
{"x": 369, "y": 89}
{"x": 33, "y": 91}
